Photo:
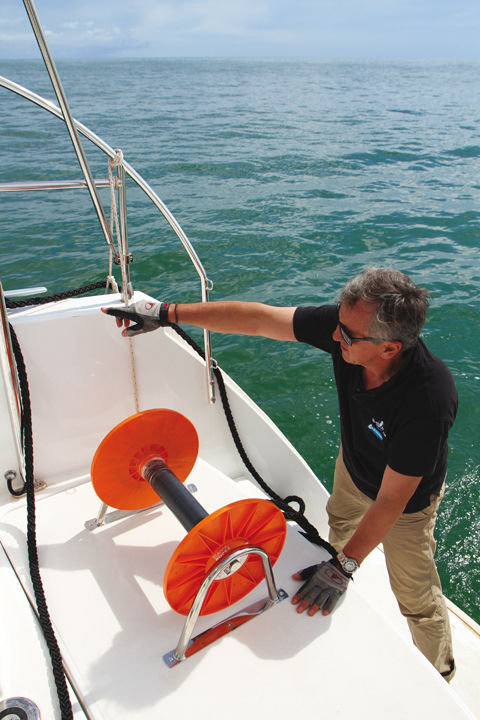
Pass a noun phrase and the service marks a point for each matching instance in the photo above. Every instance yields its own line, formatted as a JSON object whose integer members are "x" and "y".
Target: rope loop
{"x": 300, "y": 502}
{"x": 117, "y": 158}
{"x": 114, "y": 162}
{"x": 111, "y": 282}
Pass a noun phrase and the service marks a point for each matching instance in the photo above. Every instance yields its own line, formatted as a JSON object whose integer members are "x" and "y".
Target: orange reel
{"x": 118, "y": 462}
{"x": 119, "y": 478}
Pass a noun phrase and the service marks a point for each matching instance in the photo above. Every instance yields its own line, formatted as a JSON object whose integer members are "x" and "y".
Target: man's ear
{"x": 391, "y": 349}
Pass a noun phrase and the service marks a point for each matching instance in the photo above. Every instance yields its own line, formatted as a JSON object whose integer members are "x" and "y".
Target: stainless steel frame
{"x": 224, "y": 566}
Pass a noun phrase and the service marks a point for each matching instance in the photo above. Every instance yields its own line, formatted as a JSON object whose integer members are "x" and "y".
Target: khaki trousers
{"x": 409, "y": 553}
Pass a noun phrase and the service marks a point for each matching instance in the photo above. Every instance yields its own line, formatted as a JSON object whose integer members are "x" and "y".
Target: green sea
{"x": 288, "y": 177}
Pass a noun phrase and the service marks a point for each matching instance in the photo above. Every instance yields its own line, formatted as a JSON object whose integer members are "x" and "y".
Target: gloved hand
{"x": 147, "y": 314}
{"x": 325, "y": 583}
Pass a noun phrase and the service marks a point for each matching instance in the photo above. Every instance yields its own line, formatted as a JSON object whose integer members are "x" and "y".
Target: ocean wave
{"x": 470, "y": 151}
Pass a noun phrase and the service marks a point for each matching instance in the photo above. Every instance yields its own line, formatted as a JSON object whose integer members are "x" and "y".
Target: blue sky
{"x": 437, "y": 29}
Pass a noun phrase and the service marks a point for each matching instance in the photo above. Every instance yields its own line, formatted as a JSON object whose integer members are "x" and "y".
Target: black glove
{"x": 325, "y": 583}
{"x": 147, "y": 314}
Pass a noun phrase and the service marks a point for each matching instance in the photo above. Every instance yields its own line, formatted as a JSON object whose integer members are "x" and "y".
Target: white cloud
{"x": 103, "y": 35}
{"x": 11, "y": 37}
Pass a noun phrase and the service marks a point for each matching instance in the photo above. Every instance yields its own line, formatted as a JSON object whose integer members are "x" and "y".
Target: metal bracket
{"x": 186, "y": 645}
{"x": 128, "y": 259}
{"x": 10, "y": 476}
{"x": 105, "y": 518}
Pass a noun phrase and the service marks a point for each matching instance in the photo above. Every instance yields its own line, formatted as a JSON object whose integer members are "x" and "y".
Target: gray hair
{"x": 401, "y": 306}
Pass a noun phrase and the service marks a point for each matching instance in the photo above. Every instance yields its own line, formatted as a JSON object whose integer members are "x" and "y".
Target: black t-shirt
{"x": 403, "y": 423}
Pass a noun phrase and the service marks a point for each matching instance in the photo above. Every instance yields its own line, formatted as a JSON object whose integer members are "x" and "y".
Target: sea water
{"x": 288, "y": 176}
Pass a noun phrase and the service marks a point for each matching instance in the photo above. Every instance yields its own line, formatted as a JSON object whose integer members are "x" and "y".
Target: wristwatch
{"x": 347, "y": 563}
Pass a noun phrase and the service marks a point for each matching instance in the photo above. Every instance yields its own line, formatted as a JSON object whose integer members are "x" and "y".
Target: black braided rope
{"x": 53, "y": 298}
{"x": 309, "y": 530}
{"x": 42, "y": 608}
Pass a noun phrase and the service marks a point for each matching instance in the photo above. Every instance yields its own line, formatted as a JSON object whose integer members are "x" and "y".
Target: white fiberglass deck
{"x": 104, "y": 590}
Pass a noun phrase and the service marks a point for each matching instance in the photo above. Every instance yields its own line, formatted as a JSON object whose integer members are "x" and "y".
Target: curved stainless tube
{"x": 206, "y": 284}
{"x": 216, "y": 571}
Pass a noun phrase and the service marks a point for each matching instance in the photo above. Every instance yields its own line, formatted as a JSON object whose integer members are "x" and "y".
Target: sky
{"x": 329, "y": 29}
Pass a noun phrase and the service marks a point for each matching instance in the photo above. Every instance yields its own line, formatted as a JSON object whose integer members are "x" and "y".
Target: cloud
{"x": 13, "y": 30}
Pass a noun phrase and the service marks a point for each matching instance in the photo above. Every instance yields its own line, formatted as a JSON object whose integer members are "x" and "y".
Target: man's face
{"x": 357, "y": 319}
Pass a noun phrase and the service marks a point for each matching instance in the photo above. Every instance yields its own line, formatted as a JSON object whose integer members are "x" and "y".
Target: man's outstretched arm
{"x": 229, "y": 316}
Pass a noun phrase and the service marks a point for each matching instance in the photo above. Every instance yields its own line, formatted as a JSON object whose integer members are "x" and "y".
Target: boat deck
{"x": 104, "y": 590}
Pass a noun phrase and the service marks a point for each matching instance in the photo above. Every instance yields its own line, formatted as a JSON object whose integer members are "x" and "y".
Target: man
{"x": 397, "y": 403}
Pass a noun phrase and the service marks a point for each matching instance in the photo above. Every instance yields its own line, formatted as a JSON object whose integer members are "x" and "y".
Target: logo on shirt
{"x": 378, "y": 429}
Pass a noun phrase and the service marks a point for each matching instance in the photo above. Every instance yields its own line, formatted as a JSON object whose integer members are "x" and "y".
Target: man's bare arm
{"x": 237, "y": 317}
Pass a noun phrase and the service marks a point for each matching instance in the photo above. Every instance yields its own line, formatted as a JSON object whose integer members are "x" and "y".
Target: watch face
{"x": 350, "y": 565}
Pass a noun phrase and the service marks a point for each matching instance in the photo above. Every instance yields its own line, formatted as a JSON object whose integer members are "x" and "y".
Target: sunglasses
{"x": 350, "y": 340}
